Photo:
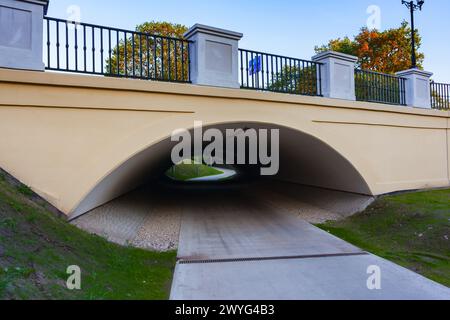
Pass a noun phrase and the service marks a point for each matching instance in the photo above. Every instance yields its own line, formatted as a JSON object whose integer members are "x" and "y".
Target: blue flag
{"x": 255, "y": 66}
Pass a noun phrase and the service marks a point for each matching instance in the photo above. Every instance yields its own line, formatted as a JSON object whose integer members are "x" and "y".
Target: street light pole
{"x": 413, "y": 39}
{"x": 413, "y": 7}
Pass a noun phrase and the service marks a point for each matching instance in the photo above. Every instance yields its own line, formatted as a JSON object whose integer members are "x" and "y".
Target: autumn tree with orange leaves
{"x": 386, "y": 51}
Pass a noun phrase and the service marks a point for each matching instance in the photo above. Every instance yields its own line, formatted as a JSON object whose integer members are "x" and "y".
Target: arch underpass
{"x": 81, "y": 141}
{"x": 303, "y": 159}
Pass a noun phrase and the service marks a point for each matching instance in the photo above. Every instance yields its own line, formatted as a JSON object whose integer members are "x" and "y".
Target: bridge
{"x": 92, "y": 127}
{"x": 87, "y": 116}
{"x": 81, "y": 141}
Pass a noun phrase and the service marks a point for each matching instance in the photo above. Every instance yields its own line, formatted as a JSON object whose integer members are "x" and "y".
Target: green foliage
{"x": 36, "y": 247}
{"x": 153, "y": 60}
{"x": 296, "y": 80}
{"x": 9, "y": 223}
{"x": 25, "y": 190}
{"x": 345, "y": 45}
{"x": 188, "y": 171}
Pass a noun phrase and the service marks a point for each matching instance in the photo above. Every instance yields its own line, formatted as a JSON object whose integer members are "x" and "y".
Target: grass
{"x": 188, "y": 171}
{"x": 412, "y": 230}
{"x": 36, "y": 247}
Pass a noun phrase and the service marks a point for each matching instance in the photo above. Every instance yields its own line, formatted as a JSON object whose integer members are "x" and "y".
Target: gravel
{"x": 138, "y": 219}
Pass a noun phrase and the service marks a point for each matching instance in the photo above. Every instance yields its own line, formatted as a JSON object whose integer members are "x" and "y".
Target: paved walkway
{"x": 243, "y": 249}
{"x": 226, "y": 173}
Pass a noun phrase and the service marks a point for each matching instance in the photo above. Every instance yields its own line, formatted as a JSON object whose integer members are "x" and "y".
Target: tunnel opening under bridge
{"x": 303, "y": 160}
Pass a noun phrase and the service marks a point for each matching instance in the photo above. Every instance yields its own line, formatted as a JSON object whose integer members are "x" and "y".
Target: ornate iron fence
{"x": 269, "y": 72}
{"x": 378, "y": 87}
{"x": 93, "y": 49}
{"x": 440, "y": 96}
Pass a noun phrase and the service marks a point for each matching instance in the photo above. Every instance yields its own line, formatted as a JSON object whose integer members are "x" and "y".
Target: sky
{"x": 285, "y": 27}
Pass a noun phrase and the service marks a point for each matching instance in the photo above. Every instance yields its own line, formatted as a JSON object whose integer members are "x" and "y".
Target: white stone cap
{"x": 201, "y": 28}
{"x": 41, "y": 2}
{"x": 336, "y": 55}
{"x": 415, "y": 71}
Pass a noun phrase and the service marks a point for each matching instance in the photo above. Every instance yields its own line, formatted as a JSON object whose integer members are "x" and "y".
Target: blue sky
{"x": 284, "y": 27}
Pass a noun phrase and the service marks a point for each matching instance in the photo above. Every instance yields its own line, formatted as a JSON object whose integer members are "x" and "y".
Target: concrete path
{"x": 226, "y": 173}
{"x": 243, "y": 249}
{"x": 320, "y": 278}
{"x": 242, "y": 228}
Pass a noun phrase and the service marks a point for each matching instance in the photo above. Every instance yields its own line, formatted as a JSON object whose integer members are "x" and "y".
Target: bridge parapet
{"x": 214, "y": 56}
{"x": 208, "y": 56}
{"x": 21, "y": 34}
{"x": 338, "y": 74}
{"x": 418, "y": 93}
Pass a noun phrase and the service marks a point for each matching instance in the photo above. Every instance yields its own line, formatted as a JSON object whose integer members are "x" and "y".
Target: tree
{"x": 153, "y": 52}
{"x": 295, "y": 79}
{"x": 386, "y": 51}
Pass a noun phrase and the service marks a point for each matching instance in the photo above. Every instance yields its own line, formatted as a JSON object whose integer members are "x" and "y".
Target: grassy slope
{"x": 36, "y": 247}
{"x": 184, "y": 172}
{"x": 412, "y": 230}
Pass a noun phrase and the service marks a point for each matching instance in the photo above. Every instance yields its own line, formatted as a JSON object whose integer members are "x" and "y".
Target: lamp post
{"x": 413, "y": 7}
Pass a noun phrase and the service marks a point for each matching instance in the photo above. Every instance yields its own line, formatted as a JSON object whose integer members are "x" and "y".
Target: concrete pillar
{"x": 418, "y": 91}
{"x": 338, "y": 74}
{"x": 21, "y": 34}
{"x": 214, "y": 56}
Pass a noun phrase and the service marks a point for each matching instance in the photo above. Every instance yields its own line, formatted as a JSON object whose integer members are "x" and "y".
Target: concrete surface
{"x": 417, "y": 87}
{"x": 244, "y": 248}
{"x": 21, "y": 34}
{"x": 244, "y": 227}
{"x": 337, "y": 73}
{"x": 214, "y": 56}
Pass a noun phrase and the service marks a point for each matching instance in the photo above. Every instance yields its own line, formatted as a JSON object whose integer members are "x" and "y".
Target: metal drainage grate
{"x": 182, "y": 261}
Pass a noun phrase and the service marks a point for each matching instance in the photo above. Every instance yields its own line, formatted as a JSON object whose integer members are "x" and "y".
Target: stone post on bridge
{"x": 337, "y": 74}
{"x": 21, "y": 34}
{"x": 418, "y": 90}
{"x": 214, "y": 56}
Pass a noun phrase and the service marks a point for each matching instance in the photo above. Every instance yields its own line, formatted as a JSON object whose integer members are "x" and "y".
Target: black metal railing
{"x": 269, "y": 72}
{"x": 379, "y": 87}
{"x": 440, "y": 96}
{"x": 93, "y": 49}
